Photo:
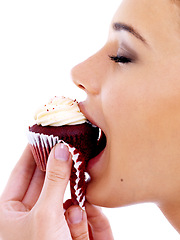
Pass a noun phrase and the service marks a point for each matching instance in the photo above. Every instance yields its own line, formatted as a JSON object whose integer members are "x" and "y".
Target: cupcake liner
{"x": 77, "y": 190}
{"x": 41, "y": 146}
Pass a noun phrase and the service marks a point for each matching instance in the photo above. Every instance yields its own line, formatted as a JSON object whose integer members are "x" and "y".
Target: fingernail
{"x": 61, "y": 152}
{"x": 75, "y": 215}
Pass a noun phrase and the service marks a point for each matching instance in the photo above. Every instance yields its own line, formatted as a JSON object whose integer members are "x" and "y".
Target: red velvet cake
{"x": 61, "y": 120}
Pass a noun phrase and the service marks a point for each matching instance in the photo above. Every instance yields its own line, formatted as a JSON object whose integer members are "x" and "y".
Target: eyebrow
{"x": 121, "y": 26}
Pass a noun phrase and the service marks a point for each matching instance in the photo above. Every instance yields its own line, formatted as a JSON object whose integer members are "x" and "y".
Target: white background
{"x": 40, "y": 41}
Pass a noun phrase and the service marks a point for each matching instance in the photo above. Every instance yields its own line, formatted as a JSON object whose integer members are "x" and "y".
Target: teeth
{"x": 100, "y": 132}
{"x": 87, "y": 177}
{"x": 91, "y": 124}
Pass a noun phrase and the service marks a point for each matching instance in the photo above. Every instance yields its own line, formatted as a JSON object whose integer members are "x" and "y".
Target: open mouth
{"x": 101, "y": 140}
{"x": 100, "y": 144}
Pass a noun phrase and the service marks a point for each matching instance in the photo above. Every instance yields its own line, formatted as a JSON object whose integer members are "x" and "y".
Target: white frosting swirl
{"x": 59, "y": 111}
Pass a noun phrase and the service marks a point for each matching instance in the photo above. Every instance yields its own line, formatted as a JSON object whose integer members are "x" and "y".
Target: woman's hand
{"x": 31, "y": 206}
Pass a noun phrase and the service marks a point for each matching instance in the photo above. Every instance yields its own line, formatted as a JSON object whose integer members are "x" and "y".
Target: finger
{"x": 100, "y": 226}
{"x": 77, "y": 222}
{"x": 34, "y": 189}
{"x": 57, "y": 176}
{"x": 20, "y": 177}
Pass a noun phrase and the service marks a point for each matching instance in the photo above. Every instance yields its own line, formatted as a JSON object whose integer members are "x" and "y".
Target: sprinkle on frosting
{"x": 59, "y": 111}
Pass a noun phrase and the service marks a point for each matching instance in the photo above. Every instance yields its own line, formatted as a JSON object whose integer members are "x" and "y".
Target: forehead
{"x": 150, "y": 11}
{"x": 156, "y": 20}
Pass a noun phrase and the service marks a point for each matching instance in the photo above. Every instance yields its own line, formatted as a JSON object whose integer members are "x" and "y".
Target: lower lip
{"x": 94, "y": 160}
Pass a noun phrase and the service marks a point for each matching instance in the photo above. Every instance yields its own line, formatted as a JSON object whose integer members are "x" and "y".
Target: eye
{"x": 120, "y": 59}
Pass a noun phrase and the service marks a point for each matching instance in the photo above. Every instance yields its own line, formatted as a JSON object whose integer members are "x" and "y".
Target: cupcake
{"x": 61, "y": 120}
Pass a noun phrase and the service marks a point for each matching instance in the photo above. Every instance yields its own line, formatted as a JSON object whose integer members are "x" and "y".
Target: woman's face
{"x": 133, "y": 95}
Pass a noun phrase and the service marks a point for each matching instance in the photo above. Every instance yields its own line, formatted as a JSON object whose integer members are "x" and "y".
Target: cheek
{"x": 120, "y": 108}
{"x": 142, "y": 119}
{"x": 140, "y": 110}
{"x": 142, "y": 123}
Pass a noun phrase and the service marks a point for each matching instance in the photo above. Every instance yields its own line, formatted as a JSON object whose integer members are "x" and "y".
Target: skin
{"x": 136, "y": 104}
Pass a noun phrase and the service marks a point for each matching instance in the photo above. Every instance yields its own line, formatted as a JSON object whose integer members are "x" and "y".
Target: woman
{"x": 132, "y": 87}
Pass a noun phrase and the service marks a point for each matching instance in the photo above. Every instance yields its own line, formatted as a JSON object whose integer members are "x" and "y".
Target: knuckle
{"x": 56, "y": 176}
{"x": 81, "y": 236}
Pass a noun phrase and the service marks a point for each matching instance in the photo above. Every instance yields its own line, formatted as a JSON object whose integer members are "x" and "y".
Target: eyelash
{"x": 120, "y": 59}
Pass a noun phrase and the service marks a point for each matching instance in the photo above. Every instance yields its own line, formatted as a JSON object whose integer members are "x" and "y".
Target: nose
{"x": 89, "y": 74}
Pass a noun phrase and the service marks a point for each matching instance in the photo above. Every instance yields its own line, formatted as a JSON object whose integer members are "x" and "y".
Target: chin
{"x": 99, "y": 196}
{"x": 103, "y": 193}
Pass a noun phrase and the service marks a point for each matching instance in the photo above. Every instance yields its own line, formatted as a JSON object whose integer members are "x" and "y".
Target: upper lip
{"x": 86, "y": 114}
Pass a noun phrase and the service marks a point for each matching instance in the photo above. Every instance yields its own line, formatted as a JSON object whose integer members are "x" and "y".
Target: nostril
{"x": 81, "y": 86}
{"x": 75, "y": 73}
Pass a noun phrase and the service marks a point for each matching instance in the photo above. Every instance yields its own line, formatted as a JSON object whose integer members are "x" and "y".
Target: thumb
{"x": 57, "y": 176}
{"x": 77, "y": 222}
